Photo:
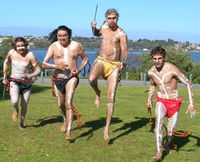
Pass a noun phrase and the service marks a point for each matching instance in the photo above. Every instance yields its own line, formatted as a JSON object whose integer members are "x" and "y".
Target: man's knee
{"x": 14, "y": 103}
{"x": 111, "y": 98}
{"x": 92, "y": 79}
{"x": 61, "y": 105}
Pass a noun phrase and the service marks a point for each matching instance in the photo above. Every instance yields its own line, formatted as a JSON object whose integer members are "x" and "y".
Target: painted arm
{"x": 152, "y": 89}
{"x": 95, "y": 31}
{"x": 6, "y": 69}
{"x": 185, "y": 80}
{"x": 123, "y": 45}
{"x": 36, "y": 68}
{"x": 84, "y": 58}
{"x": 45, "y": 63}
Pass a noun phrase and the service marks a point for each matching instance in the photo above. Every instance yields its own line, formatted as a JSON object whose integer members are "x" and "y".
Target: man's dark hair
{"x": 19, "y": 39}
{"x": 158, "y": 50}
{"x": 53, "y": 35}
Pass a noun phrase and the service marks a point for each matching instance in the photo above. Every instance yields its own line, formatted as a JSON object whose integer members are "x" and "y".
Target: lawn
{"x": 132, "y": 137}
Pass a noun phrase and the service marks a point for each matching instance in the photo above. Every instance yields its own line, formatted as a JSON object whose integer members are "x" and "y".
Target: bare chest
{"x": 65, "y": 54}
{"x": 163, "y": 78}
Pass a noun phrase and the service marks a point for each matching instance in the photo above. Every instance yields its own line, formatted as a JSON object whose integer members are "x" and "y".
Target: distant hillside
{"x": 95, "y": 42}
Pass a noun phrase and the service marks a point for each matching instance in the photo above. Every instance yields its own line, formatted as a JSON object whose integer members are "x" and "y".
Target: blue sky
{"x": 151, "y": 19}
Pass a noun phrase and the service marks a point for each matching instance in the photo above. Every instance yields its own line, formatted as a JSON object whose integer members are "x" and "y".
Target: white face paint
{"x": 19, "y": 48}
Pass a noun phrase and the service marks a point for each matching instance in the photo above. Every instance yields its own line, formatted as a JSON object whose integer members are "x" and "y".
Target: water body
{"x": 92, "y": 54}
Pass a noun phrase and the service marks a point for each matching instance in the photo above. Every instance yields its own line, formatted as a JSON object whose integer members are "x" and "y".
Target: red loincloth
{"x": 171, "y": 105}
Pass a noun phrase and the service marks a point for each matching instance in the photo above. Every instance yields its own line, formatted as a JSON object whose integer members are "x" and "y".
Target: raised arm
{"x": 95, "y": 31}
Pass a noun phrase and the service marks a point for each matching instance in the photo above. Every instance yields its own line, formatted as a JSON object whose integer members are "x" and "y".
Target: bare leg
{"x": 61, "y": 105}
{"x": 112, "y": 86}
{"x": 70, "y": 89}
{"x": 24, "y": 102}
{"x": 170, "y": 128}
{"x": 96, "y": 71}
{"x": 160, "y": 114}
{"x": 14, "y": 95}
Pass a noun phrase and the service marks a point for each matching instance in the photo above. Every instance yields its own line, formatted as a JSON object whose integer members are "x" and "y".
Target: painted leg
{"x": 110, "y": 108}
{"x": 14, "y": 95}
{"x": 61, "y": 106}
{"x": 160, "y": 114}
{"x": 97, "y": 70}
{"x": 94, "y": 85}
{"x": 24, "y": 102}
{"x": 170, "y": 128}
{"x": 70, "y": 90}
{"x": 69, "y": 123}
{"x": 112, "y": 87}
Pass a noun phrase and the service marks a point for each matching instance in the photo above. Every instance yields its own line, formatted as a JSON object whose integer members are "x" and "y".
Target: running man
{"x": 164, "y": 76}
{"x": 65, "y": 53}
{"x": 24, "y": 69}
{"x": 108, "y": 64}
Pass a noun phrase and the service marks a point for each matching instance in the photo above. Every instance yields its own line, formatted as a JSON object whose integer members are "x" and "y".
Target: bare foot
{"x": 21, "y": 126}
{"x": 68, "y": 136}
{"x": 167, "y": 150}
{"x": 15, "y": 116}
{"x": 97, "y": 100}
{"x": 105, "y": 135}
{"x": 63, "y": 128}
{"x": 158, "y": 157}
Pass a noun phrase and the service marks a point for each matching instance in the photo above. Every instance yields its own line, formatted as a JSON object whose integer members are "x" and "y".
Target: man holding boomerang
{"x": 108, "y": 64}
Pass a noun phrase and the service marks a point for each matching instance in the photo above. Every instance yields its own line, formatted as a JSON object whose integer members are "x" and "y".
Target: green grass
{"x": 132, "y": 138}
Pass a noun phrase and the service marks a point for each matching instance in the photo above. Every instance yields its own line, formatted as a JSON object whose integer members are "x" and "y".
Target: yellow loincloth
{"x": 109, "y": 66}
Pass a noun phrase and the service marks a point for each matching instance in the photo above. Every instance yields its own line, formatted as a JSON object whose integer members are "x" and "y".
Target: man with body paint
{"x": 65, "y": 53}
{"x": 24, "y": 69}
{"x": 164, "y": 76}
{"x": 107, "y": 64}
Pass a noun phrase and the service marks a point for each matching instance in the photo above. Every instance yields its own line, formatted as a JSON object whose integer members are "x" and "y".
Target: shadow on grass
{"x": 47, "y": 120}
{"x": 95, "y": 125}
{"x": 130, "y": 127}
{"x": 179, "y": 142}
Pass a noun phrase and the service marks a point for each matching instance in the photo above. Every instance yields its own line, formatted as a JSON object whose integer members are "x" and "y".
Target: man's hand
{"x": 26, "y": 76}
{"x": 93, "y": 24}
{"x": 5, "y": 81}
{"x": 149, "y": 106}
{"x": 62, "y": 67}
{"x": 75, "y": 72}
{"x": 192, "y": 110}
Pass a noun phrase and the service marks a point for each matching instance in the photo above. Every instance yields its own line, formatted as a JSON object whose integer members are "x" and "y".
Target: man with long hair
{"x": 65, "y": 53}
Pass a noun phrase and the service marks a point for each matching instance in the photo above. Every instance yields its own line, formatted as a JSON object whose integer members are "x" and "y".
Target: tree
{"x": 4, "y": 48}
{"x": 182, "y": 60}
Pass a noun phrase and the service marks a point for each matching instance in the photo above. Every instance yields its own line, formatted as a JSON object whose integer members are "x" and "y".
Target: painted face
{"x": 63, "y": 37}
{"x": 20, "y": 47}
{"x": 158, "y": 60}
{"x": 112, "y": 20}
